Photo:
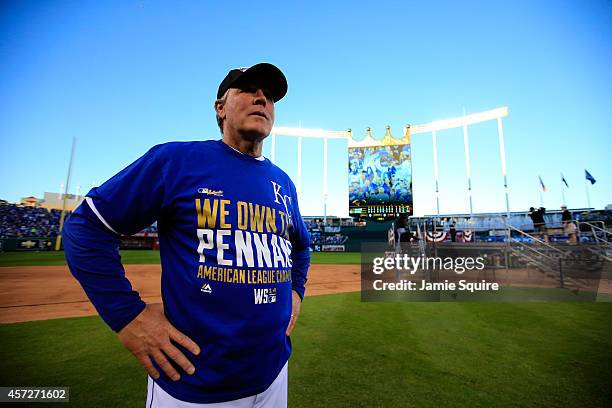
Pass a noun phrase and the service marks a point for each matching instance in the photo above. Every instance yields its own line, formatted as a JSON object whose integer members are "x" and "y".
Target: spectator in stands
{"x": 569, "y": 226}
{"x": 402, "y": 229}
{"x": 30, "y": 222}
{"x": 539, "y": 225}
{"x": 18, "y": 221}
{"x": 453, "y": 232}
{"x": 566, "y": 216}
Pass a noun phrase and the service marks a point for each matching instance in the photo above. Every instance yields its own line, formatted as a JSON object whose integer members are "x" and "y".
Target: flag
{"x": 542, "y": 184}
{"x": 588, "y": 176}
{"x": 564, "y": 180}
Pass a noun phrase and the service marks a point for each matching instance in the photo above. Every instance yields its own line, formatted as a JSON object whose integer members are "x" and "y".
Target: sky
{"x": 122, "y": 76}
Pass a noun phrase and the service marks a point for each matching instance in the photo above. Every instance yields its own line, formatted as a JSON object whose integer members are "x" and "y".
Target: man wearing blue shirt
{"x": 234, "y": 254}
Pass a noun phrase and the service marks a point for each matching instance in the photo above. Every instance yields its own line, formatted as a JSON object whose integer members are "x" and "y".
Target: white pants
{"x": 274, "y": 397}
{"x": 398, "y": 244}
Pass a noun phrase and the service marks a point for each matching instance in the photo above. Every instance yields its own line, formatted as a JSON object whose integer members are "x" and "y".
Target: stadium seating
{"x": 22, "y": 222}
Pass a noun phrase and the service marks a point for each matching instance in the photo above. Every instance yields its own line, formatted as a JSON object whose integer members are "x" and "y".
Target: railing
{"x": 602, "y": 242}
{"x": 541, "y": 259}
{"x": 573, "y": 267}
{"x": 544, "y": 243}
{"x": 595, "y": 229}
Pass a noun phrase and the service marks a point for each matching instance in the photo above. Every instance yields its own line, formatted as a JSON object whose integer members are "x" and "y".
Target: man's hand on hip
{"x": 296, "y": 304}
{"x": 150, "y": 335}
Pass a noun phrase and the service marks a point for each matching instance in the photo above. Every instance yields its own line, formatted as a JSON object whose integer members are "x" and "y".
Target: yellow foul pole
{"x": 58, "y": 240}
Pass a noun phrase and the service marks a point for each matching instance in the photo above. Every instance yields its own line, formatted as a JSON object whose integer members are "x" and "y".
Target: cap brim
{"x": 269, "y": 76}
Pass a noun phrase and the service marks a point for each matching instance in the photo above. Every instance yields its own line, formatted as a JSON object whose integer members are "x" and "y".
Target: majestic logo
{"x": 263, "y": 296}
{"x": 208, "y": 191}
{"x": 206, "y": 288}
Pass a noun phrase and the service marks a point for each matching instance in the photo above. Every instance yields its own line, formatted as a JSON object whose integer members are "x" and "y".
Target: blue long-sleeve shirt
{"x": 233, "y": 246}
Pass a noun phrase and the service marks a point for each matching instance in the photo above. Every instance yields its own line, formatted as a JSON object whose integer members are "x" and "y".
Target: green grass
{"x": 353, "y": 354}
{"x": 335, "y": 258}
{"x": 57, "y": 258}
{"x": 147, "y": 257}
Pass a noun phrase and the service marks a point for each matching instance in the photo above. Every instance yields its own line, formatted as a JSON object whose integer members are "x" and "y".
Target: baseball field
{"x": 346, "y": 353}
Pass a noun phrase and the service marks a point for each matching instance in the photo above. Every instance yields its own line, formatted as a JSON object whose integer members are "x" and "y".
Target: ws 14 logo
{"x": 263, "y": 296}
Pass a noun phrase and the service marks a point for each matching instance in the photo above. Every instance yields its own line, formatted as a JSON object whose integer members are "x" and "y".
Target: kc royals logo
{"x": 284, "y": 198}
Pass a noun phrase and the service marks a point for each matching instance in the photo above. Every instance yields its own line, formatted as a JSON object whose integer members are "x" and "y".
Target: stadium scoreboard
{"x": 378, "y": 211}
{"x": 380, "y": 177}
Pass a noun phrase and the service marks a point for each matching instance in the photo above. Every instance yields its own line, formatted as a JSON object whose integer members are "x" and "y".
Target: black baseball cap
{"x": 266, "y": 74}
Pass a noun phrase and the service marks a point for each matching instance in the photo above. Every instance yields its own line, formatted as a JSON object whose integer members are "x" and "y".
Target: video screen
{"x": 380, "y": 180}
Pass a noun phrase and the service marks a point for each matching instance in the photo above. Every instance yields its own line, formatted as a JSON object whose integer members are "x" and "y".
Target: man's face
{"x": 248, "y": 111}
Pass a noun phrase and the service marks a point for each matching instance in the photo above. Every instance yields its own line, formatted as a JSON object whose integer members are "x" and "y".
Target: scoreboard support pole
{"x": 464, "y": 121}
{"x": 301, "y": 133}
{"x": 468, "y": 168}
{"x": 431, "y": 127}
{"x": 502, "y": 159}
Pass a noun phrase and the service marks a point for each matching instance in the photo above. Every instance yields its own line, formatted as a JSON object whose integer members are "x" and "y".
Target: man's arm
{"x": 300, "y": 259}
{"x": 125, "y": 204}
{"x": 301, "y": 263}
{"x": 92, "y": 254}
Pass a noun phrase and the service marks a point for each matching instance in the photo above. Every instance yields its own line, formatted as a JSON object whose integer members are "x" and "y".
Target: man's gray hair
{"x": 221, "y": 100}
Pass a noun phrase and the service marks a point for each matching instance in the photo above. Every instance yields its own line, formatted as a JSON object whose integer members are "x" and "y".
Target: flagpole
{"x": 540, "y": 190}
{"x": 434, "y": 141}
{"x": 586, "y": 188}
{"x": 563, "y": 195}
{"x": 541, "y": 197}
{"x": 563, "y": 186}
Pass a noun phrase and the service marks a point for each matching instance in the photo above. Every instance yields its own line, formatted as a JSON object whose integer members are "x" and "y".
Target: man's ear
{"x": 220, "y": 109}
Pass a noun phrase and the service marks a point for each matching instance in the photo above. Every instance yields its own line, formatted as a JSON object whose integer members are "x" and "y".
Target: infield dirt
{"x": 49, "y": 292}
